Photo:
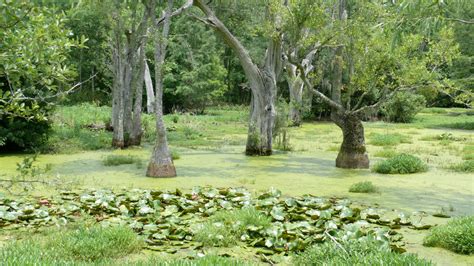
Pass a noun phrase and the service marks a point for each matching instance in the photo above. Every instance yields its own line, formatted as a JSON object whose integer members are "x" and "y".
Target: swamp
{"x": 299, "y": 132}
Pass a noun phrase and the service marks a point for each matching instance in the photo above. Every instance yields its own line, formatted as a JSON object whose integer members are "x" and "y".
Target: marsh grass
{"x": 457, "y": 235}
{"x": 368, "y": 252}
{"x": 385, "y": 153}
{"x": 73, "y": 247}
{"x": 363, "y": 187}
{"x": 388, "y": 139}
{"x": 466, "y": 166}
{"x": 333, "y": 148}
{"x": 401, "y": 164}
{"x": 115, "y": 159}
{"x": 225, "y": 228}
{"x": 208, "y": 260}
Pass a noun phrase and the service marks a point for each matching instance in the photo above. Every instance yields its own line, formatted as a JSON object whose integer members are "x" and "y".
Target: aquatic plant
{"x": 401, "y": 164}
{"x": 363, "y": 187}
{"x": 457, "y": 235}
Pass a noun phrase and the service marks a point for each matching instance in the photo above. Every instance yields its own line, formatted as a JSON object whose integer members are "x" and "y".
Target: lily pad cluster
{"x": 169, "y": 220}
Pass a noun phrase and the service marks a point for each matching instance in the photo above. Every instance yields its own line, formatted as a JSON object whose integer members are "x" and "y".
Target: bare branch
{"x": 178, "y": 11}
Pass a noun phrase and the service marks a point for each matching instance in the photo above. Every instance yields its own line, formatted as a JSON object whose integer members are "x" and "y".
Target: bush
{"x": 403, "y": 107}
{"x": 23, "y": 134}
{"x": 114, "y": 160}
{"x": 401, "y": 164}
{"x": 388, "y": 139}
{"x": 225, "y": 228}
{"x": 85, "y": 244}
{"x": 466, "y": 166}
{"x": 457, "y": 235}
{"x": 363, "y": 187}
{"x": 368, "y": 252}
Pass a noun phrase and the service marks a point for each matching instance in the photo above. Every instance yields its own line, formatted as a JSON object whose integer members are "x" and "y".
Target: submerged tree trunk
{"x": 150, "y": 95}
{"x": 262, "y": 82}
{"x": 161, "y": 163}
{"x": 352, "y": 153}
{"x": 117, "y": 90}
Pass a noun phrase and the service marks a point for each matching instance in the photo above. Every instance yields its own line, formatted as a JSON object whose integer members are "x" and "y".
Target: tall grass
{"x": 457, "y": 235}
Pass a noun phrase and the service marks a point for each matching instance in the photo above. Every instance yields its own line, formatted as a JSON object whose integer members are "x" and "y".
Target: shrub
{"x": 363, "y": 187}
{"x": 226, "y": 227}
{"x": 457, "y": 235}
{"x": 368, "y": 252}
{"x": 466, "y": 166}
{"x": 388, "y": 139}
{"x": 113, "y": 160}
{"x": 403, "y": 107}
{"x": 85, "y": 244}
{"x": 401, "y": 164}
{"x": 23, "y": 134}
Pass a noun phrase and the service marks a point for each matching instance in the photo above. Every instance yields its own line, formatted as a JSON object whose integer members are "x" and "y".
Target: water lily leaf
{"x": 277, "y": 213}
{"x": 314, "y": 214}
{"x": 144, "y": 210}
{"x": 346, "y": 213}
{"x": 170, "y": 210}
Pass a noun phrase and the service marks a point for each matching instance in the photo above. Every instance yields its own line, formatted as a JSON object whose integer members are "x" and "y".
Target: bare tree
{"x": 262, "y": 81}
{"x": 150, "y": 95}
{"x": 161, "y": 163}
{"x": 128, "y": 69}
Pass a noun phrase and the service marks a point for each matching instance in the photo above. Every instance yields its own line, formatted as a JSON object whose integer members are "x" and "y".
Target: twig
{"x": 335, "y": 241}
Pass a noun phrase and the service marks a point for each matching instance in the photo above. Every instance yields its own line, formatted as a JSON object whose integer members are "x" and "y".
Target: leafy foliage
{"x": 403, "y": 107}
{"x": 401, "y": 164}
{"x": 114, "y": 160}
{"x": 457, "y": 235}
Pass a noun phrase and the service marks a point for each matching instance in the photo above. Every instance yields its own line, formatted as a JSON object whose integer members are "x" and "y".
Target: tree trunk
{"x": 161, "y": 163}
{"x": 352, "y": 153}
{"x": 136, "y": 134}
{"x": 150, "y": 95}
{"x": 262, "y": 84}
{"x": 295, "y": 85}
{"x": 117, "y": 93}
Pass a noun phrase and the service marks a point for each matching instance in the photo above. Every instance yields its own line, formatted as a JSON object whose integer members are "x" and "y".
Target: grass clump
{"x": 367, "y": 252}
{"x": 363, "y": 187}
{"x": 114, "y": 160}
{"x": 457, "y": 235}
{"x": 466, "y": 167}
{"x": 82, "y": 245}
{"x": 225, "y": 228}
{"x": 388, "y": 139}
{"x": 385, "y": 153}
{"x": 401, "y": 164}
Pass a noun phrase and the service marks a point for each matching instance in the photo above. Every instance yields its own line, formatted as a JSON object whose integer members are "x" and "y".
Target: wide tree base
{"x": 118, "y": 144}
{"x": 257, "y": 152}
{"x": 134, "y": 141}
{"x": 160, "y": 170}
{"x": 352, "y": 160}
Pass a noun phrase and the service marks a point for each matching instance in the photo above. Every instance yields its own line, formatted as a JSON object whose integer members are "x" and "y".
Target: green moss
{"x": 363, "y": 187}
{"x": 401, "y": 164}
{"x": 457, "y": 235}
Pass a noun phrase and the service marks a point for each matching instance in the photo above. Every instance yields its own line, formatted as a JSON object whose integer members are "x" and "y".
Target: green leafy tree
{"x": 34, "y": 70}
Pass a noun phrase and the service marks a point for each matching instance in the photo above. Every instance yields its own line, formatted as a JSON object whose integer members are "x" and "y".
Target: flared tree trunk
{"x": 352, "y": 153}
{"x": 161, "y": 163}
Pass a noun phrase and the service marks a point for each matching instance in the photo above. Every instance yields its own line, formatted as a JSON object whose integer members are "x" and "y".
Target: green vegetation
{"x": 225, "y": 228}
{"x": 466, "y": 166}
{"x": 114, "y": 160}
{"x": 401, "y": 164}
{"x": 385, "y": 153}
{"x": 457, "y": 235}
{"x": 388, "y": 139}
{"x": 363, "y": 187}
{"x": 352, "y": 252}
{"x": 82, "y": 245}
{"x": 403, "y": 107}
